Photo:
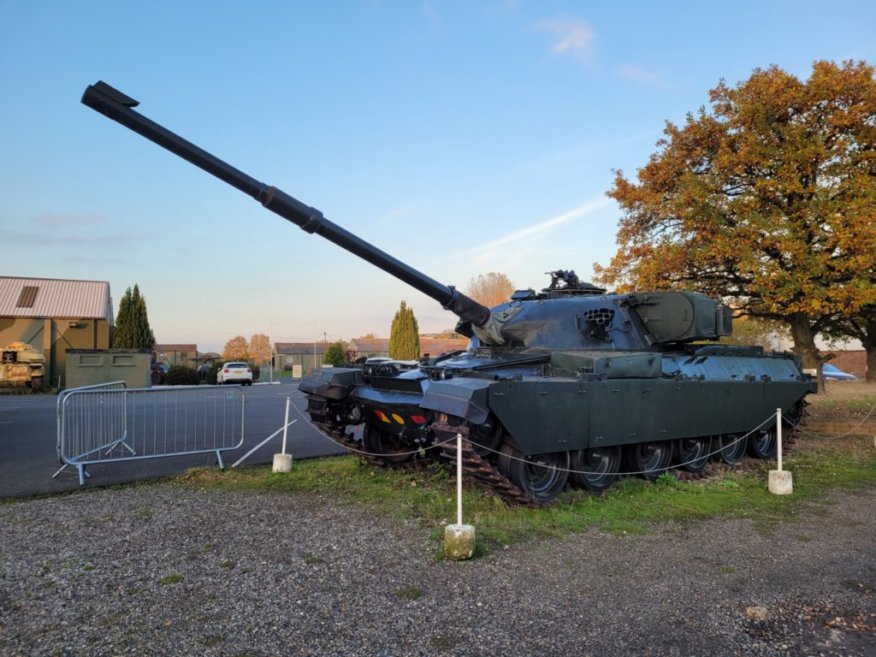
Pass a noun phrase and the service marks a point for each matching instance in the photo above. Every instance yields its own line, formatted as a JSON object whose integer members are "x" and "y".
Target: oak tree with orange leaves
{"x": 236, "y": 348}
{"x": 767, "y": 199}
{"x": 260, "y": 348}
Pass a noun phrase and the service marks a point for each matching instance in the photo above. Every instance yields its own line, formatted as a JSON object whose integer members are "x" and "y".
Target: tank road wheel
{"x": 692, "y": 454}
{"x": 486, "y": 437}
{"x": 595, "y": 469}
{"x": 386, "y": 446}
{"x": 649, "y": 460}
{"x": 762, "y": 445}
{"x": 541, "y": 476}
{"x": 731, "y": 449}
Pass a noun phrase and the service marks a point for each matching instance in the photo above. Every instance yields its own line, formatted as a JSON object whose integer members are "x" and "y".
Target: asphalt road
{"x": 28, "y": 443}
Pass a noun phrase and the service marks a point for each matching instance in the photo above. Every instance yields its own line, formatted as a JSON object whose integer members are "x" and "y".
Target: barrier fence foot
{"x": 282, "y": 463}
{"x": 780, "y": 482}
{"x": 459, "y": 542}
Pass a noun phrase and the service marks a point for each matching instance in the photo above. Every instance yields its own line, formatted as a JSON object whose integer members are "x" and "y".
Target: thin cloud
{"x": 543, "y": 227}
{"x": 572, "y": 36}
{"x": 69, "y": 229}
{"x": 53, "y": 239}
{"x": 91, "y": 261}
{"x": 59, "y": 220}
{"x": 643, "y": 77}
{"x": 396, "y": 215}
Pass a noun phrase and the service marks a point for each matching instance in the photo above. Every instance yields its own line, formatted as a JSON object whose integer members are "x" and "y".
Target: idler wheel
{"x": 542, "y": 476}
{"x": 386, "y": 446}
{"x": 649, "y": 460}
{"x": 762, "y": 445}
{"x": 731, "y": 448}
{"x": 595, "y": 469}
{"x": 692, "y": 454}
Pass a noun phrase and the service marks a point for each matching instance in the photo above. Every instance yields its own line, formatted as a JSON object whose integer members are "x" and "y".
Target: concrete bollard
{"x": 282, "y": 463}
{"x": 780, "y": 482}
{"x": 459, "y": 539}
{"x": 459, "y": 542}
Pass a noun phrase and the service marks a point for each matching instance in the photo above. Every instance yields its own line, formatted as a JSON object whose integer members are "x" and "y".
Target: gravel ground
{"x": 167, "y": 570}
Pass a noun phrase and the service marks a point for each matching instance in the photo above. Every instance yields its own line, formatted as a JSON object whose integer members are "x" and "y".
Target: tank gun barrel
{"x": 114, "y": 104}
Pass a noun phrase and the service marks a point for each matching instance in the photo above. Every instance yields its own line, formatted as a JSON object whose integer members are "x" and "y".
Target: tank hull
{"x": 615, "y": 401}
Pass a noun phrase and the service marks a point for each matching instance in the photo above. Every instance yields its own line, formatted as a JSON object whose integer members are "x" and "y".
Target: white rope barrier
{"x": 848, "y": 433}
{"x": 250, "y": 452}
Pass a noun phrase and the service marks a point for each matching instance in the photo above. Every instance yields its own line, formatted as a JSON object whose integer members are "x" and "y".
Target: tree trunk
{"x": 868, "y": 340}
{"x": 804, "y": 341}
{"x": 871, "y": 363}
{"x": 804, "y": 345}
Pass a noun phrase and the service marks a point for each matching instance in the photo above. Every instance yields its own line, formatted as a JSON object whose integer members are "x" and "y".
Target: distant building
{"x": 54, "y": 315}
{"x": 853, "y": 361}
{"x": 849, "y": 355}
{"x": 437, "y": 346}
{"x": 302, "y": 357}
{"x": 295, "y": 355}
{"x": 178, "y": 354}
{"x": 368, "y": 347}
{"x": 433, "y": 346}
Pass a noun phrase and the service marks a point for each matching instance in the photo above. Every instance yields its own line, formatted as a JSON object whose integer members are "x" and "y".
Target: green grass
{"x": 409, "y": 593}
{"x": 633, "y": 506}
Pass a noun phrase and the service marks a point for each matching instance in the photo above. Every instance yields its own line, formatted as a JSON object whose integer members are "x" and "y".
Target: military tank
{"x": 566, "y": 385}
{"x": 21, "y": 365}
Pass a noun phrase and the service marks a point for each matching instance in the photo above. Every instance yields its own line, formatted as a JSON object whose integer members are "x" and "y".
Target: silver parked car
{"x": 833, "y": 373}
{"x": 235, "y": 372}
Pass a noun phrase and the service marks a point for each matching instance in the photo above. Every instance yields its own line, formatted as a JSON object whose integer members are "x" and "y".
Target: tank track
{"x": 322, "y": 417}
{"x": 474, "y": 465}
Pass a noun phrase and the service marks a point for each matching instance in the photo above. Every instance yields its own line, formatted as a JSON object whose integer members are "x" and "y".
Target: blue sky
{"x": 460, "y": 137}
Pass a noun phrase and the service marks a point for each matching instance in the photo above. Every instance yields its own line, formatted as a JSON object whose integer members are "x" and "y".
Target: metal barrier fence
{"x": 110, "y": 423}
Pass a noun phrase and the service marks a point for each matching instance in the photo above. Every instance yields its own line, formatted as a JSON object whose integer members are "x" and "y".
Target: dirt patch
{"x": 844, "y": 409}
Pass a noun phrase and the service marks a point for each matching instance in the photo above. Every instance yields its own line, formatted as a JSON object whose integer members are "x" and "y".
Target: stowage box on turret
{"x": 565, "y": 385}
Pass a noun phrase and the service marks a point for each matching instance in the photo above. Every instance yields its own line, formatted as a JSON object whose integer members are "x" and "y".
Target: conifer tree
{"x": 122, "y": 331}
{"x": 404, "y": 336}
{"x": 132, "y": 329}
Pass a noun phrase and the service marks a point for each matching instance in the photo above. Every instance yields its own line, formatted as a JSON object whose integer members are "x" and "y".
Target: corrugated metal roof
{"x": 55, "y": 298}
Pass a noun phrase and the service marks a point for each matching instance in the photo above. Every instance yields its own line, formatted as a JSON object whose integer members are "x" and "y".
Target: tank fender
{"x": 461, "y": 397}
{"x": 331, "y": 382}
